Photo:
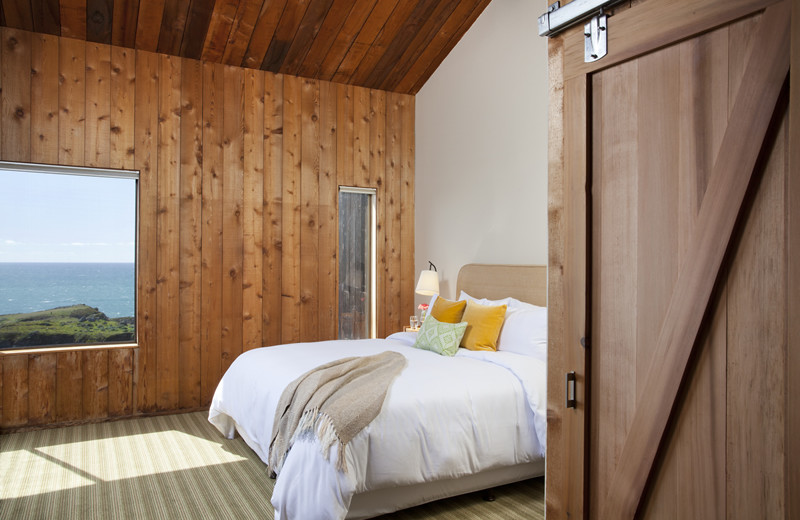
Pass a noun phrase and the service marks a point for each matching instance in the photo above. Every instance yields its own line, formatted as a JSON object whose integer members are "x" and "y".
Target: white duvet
{"x": 443, "y": 418}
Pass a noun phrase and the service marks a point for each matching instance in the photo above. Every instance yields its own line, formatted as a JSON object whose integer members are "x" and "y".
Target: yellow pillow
{"x": 447, "y": 311}
{"x": 484, "y": 323}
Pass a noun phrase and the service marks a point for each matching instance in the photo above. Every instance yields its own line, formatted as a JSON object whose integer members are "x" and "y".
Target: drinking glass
{"x": 413, "y": 322}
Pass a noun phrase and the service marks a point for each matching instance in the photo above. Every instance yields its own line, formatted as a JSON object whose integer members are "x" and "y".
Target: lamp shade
{"x": 428, "y": 284}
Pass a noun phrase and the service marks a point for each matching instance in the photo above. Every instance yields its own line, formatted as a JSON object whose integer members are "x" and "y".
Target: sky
{"x": 48, "y": 217}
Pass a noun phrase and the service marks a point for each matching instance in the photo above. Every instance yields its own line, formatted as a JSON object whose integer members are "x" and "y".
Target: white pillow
{"x": 484, "y": 301}
{"x": 525, "y": 331}
{"x": 511, "y": 303}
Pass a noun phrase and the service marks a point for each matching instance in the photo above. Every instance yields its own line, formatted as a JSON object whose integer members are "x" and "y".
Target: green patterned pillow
{"x": 442, "y": 338}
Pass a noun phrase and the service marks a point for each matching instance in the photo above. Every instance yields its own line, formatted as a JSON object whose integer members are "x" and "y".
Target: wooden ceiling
{"x": 391, "y": 45}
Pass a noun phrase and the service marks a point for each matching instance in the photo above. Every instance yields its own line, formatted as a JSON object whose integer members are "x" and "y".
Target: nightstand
{"x": 409, "y": 329}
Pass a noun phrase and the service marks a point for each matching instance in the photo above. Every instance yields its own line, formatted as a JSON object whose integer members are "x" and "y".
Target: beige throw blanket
{"x": 336, "y": 401}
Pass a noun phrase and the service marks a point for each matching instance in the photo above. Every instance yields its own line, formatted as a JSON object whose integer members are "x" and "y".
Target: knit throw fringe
{"x": 313, "y": 421}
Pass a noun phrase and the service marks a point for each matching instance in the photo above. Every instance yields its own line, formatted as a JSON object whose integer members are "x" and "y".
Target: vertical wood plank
{"x": 232, "y": 229}
{"x": 328, "y": 216}
{"x": 120, "y": 382}
{"x": 699, "y": 433}
{"x": 701, "y": 428}
{"x": 793, "y": 276}
{"x": 273, "y": 212}
{"x": 393, "y": 221}
{"x": 69, "y": 386}
{"x": 309, "y": 212}
{"x": 42, "y": 388}
{"x": 98, "y": 105}
{"x": 361, "y": 144}
{"x": 146, "y": 161}
{"x": 15, "y": 391}
{"x": 568, "y": 275}
{"x": 657, "y": 232}
{"x": 377, "y": 173}
{"x": 656, "y": 239}
{"x": 123, "y": 95}
{"x": 190, "y": 286}
{"x": 211, "y": 323}
{"x": 290, "y": 259}
{"x": 614, "y": 311}
{"x": 253, "y": 209}
{"x": 72, "y": 102}
{"x": 345, "y": 127}
{"x": 94, "y": 368}
{"x": 556, "y": 473}
{"x": 407, "y": 148}
{"x": 168, "y": 229}
{"x": 703, "y": 118}
{"x": 44, "y": 98}
{"x": 16, "y": 95}
{"x": 757, "y": 290}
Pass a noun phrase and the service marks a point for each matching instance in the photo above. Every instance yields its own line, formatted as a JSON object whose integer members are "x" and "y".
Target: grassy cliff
{"x": 63, "y": 326}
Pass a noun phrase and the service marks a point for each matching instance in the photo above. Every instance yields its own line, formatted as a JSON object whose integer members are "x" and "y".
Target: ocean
{"x": 29, "y": 287}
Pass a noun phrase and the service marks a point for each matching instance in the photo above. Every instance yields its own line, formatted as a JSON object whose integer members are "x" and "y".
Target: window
{"x": 67, "y": 255}
{"x": 357, "y": 254}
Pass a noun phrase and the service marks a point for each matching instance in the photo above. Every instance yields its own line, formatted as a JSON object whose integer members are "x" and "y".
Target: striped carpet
{"x": 175, "y": 467}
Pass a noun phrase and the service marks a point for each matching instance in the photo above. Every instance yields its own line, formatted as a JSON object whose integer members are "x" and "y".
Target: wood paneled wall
{"x": 239, "y": 175}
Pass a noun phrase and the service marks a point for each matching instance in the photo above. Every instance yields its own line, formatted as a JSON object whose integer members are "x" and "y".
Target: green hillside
{"x": 64, "y": 326}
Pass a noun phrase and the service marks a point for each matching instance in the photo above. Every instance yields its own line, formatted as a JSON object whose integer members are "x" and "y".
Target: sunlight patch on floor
{"x": 75, "y": 464}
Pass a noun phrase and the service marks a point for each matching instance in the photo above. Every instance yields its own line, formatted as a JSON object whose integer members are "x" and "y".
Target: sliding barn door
{"x": 674, "y": 264}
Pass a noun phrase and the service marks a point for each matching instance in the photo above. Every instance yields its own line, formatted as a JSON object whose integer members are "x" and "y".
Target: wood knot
{"x": 19, "y": 113}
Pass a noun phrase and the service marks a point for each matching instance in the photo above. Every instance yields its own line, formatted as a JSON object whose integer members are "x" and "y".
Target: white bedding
{"x": 443, "y": 418}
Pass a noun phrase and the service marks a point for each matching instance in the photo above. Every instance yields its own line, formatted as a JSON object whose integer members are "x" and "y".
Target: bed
{"x": 449, "y": 425}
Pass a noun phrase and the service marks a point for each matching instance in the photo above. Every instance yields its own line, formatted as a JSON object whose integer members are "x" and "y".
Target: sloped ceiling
{"x": 392, "y": 45}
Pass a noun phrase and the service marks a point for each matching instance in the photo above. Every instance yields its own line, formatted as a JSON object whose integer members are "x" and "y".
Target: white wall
{"x": 481, "y": 147}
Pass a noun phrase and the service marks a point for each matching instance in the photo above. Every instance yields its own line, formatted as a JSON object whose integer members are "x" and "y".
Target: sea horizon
{"x": 38, "y": 286}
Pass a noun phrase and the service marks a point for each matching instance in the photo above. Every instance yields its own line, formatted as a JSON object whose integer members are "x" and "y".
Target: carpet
{"x": 175, "y": 467}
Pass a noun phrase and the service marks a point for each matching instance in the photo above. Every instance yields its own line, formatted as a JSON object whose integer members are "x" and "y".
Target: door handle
{"x": 570, "y": 391}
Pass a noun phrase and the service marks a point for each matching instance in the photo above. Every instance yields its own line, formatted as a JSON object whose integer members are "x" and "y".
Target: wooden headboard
{"x": 527, "y": 283}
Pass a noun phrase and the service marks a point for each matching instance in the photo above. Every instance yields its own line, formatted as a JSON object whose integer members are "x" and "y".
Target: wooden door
{"x": 673, "y": 266}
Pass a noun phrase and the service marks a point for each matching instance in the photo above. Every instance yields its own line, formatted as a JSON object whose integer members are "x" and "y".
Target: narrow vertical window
{"x": 357, "y": 259}
{"x": 67, "y": 255}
